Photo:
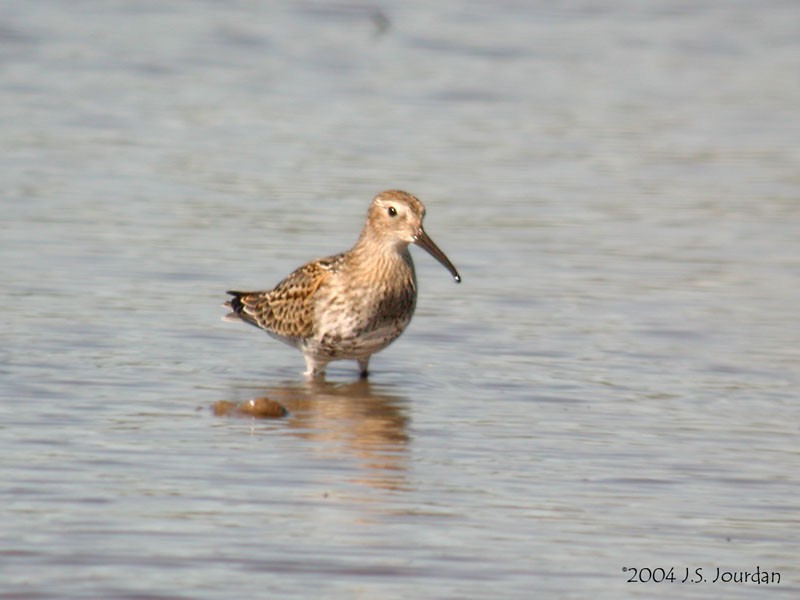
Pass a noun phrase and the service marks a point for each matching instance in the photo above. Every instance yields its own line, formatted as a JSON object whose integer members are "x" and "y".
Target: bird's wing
{"x": 287, "y": 310}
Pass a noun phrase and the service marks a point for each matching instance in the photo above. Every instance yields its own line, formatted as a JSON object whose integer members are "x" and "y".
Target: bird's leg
{"x": 314, "y": 368}
{"x": 363, "y": 363}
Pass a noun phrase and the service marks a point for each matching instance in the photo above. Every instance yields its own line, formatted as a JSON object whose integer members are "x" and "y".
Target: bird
{"x": 350, "y": 305}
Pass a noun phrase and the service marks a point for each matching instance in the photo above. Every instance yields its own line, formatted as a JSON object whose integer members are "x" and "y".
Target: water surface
{"x": 613, "y": 385}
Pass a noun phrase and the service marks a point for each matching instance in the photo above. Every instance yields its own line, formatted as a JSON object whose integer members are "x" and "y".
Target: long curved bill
{"x": 422, "y": 240}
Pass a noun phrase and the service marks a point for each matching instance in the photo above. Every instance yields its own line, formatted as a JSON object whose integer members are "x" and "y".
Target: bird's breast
{"x": 358, "y": 317}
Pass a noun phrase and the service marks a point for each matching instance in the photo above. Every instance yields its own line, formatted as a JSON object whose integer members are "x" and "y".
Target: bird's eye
{"x": 392, "y": 211}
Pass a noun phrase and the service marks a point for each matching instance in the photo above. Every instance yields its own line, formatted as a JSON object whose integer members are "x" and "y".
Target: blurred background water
{"x": 613, "y": 385}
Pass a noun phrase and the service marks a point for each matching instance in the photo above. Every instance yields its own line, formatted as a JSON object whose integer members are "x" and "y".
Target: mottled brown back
{"x": 286, "y": 311}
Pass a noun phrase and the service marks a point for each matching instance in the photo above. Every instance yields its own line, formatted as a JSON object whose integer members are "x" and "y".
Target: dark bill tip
{"x": 423, "y": 241}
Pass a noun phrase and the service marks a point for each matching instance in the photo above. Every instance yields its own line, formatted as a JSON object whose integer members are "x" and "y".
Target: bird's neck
{"x": 384, "y": 258}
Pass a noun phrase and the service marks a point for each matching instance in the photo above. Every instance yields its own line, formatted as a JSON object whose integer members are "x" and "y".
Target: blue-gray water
{"x": 614, "y": 384}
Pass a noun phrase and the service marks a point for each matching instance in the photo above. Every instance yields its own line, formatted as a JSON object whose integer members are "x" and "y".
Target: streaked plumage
{"x": 353, "y": 304}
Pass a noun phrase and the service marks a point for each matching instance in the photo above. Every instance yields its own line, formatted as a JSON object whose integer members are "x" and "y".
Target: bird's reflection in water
{"x": 356, "y": 420}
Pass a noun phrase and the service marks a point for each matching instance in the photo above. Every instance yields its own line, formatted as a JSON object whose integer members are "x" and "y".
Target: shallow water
{"x": 613, "y": 385}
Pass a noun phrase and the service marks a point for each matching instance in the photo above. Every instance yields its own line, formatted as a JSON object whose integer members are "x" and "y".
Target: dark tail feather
{"x": 235, "y": 303}
{"x": 237, "y": 308}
